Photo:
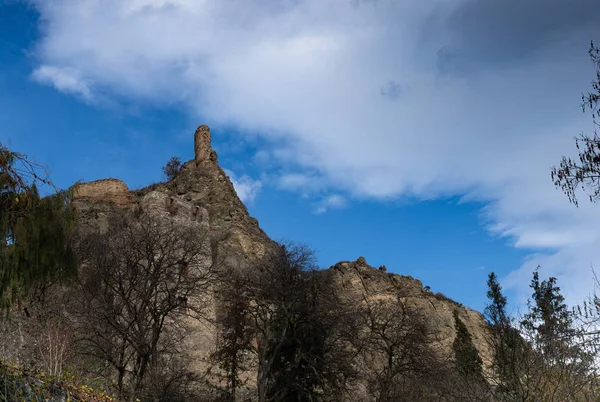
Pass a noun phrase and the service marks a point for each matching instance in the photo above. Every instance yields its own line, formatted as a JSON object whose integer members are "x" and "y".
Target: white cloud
{"x": 65, "y": 80}
{"x": 306, "y": 184}
{"x": 246, "y": 187}
{"x": 308, "y": 76}
{"x": 334, "y": 201}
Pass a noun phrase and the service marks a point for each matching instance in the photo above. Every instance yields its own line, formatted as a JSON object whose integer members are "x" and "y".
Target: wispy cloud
{"x": 306, "y": 184}
{"x": 334, "y": 201}
{"x": 246, "y": 187}
{"x": 492, "y": 101}
{"x": 67, "y": 80}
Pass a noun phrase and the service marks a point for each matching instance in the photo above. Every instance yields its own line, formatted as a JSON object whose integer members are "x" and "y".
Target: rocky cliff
{"x": 200, "y": 191}
{"x": 357, "y": 280}
{"x": 202, "y": 197}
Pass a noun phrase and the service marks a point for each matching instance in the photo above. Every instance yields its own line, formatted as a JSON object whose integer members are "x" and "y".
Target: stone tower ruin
{"x": 202, "y": 143}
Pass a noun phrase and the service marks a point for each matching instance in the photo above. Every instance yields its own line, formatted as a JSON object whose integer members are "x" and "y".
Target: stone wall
{"x": 105, "y": 190}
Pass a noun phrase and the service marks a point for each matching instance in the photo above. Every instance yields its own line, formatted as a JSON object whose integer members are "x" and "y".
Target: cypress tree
{"x": 551, "y": 322}
{"x": 468, "y": 361}
{"x": 495, "y": 311}
{"x": 34, "y": 232}
{"x": 509, "y": 348}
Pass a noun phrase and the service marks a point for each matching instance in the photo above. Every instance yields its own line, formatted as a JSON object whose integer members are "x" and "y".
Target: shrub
{"x": 172, "y": 168}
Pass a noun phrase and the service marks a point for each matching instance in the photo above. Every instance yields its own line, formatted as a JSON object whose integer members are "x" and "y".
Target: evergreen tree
{"x": 34, "y": 231}
{"x": 299, "y": 371}
{"x": 549, "y": 318}
{"x": 509, "y": 348}
{"x": 495, "y": 311}
{"x": 561, "y": 364}
{"x": 468, "y": 361}
{"x": 234, "y": 345}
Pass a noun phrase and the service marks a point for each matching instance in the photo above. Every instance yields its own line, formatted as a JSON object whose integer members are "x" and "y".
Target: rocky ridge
{"x": 203, "y": 197}
{"x": 357, "y": 280}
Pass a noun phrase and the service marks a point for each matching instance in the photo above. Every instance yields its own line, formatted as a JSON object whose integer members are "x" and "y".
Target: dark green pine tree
{"x": 299, "y": 373}
{"x": 495, "y": 311}
{"x": 509, "y": 347}
{"x": 235, "y": 341}
{"x": 34, "y": 233}
{"x": 468, "y": 361}
{"x": 549, "y": 319}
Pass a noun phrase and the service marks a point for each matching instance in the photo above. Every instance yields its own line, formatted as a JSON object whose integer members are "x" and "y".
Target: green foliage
{"x": 468, "y": 361}
{"x": 548, "y": 317}
{"x": 549, "y": 355}
{"x": 495, "y": 311}
{"x": 235, "y": 339}
{"x": 299, "y": 370}
{"x": 284, "y": 313}
{"x": 508, "y": 347}
{"x": 20, "y": 384}
{"x": 34, "y": 231}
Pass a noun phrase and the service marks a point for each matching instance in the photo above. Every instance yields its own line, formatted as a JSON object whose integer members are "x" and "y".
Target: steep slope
{"x": 357, "y": 280}
{"x": 201, "y": 190}
{"x": 202, "y": 197}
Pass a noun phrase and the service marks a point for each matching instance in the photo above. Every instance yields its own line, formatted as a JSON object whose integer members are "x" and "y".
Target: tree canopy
{"x": 34, "y": 230}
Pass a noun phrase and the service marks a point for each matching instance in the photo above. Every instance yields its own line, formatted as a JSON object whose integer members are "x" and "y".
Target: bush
{"x": 442, "y": 297}
{"x": 172, "y": 168}
{"x": 20, "y": 384}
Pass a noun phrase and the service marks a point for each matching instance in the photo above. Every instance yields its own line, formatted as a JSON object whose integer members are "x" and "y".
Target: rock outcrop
{"x": 357, "y": 280}
{"x": 202, "y": 197}
{"x": 105, "y": 190}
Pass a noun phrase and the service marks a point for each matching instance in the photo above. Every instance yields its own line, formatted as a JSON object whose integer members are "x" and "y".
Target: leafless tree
{"x": 54, "y": 347}
{"x": 399, "y": 359}
{"x": 141, "y": 281}
{"x": 172, "y": 168}
{"x": 284, "y": 320}
{"x": 584, "y": 172}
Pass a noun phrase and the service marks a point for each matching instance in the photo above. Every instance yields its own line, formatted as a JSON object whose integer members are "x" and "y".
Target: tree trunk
{"x": 121, "y": 375}
{"x": 262, "y": 383}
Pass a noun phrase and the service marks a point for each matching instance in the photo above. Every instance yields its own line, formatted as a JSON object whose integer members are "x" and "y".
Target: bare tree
{"x": 584, "y": 173}
{"x": 53, "y": 347}
{"x": 399, "y": 358}
{"x": 172, "y": 168}
{"x": 274, "y": 292}
{"x": 140, "y": 282}
{"x": 284, "y": 318}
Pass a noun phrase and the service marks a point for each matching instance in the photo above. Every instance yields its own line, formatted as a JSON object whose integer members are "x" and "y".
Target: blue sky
{"x": 419, "y": 135}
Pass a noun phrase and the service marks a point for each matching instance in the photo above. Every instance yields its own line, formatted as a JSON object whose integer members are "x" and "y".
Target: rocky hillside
{"x": 200, "y": 191}
{"x": 202, "y": 197}
{"x": 357, "y": 280}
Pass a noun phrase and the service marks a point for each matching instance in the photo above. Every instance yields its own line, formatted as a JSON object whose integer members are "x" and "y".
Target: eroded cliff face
{"x": 357, "y": 280}
{"x": 202, "y": 197}
{"x": 201, "y": 190}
